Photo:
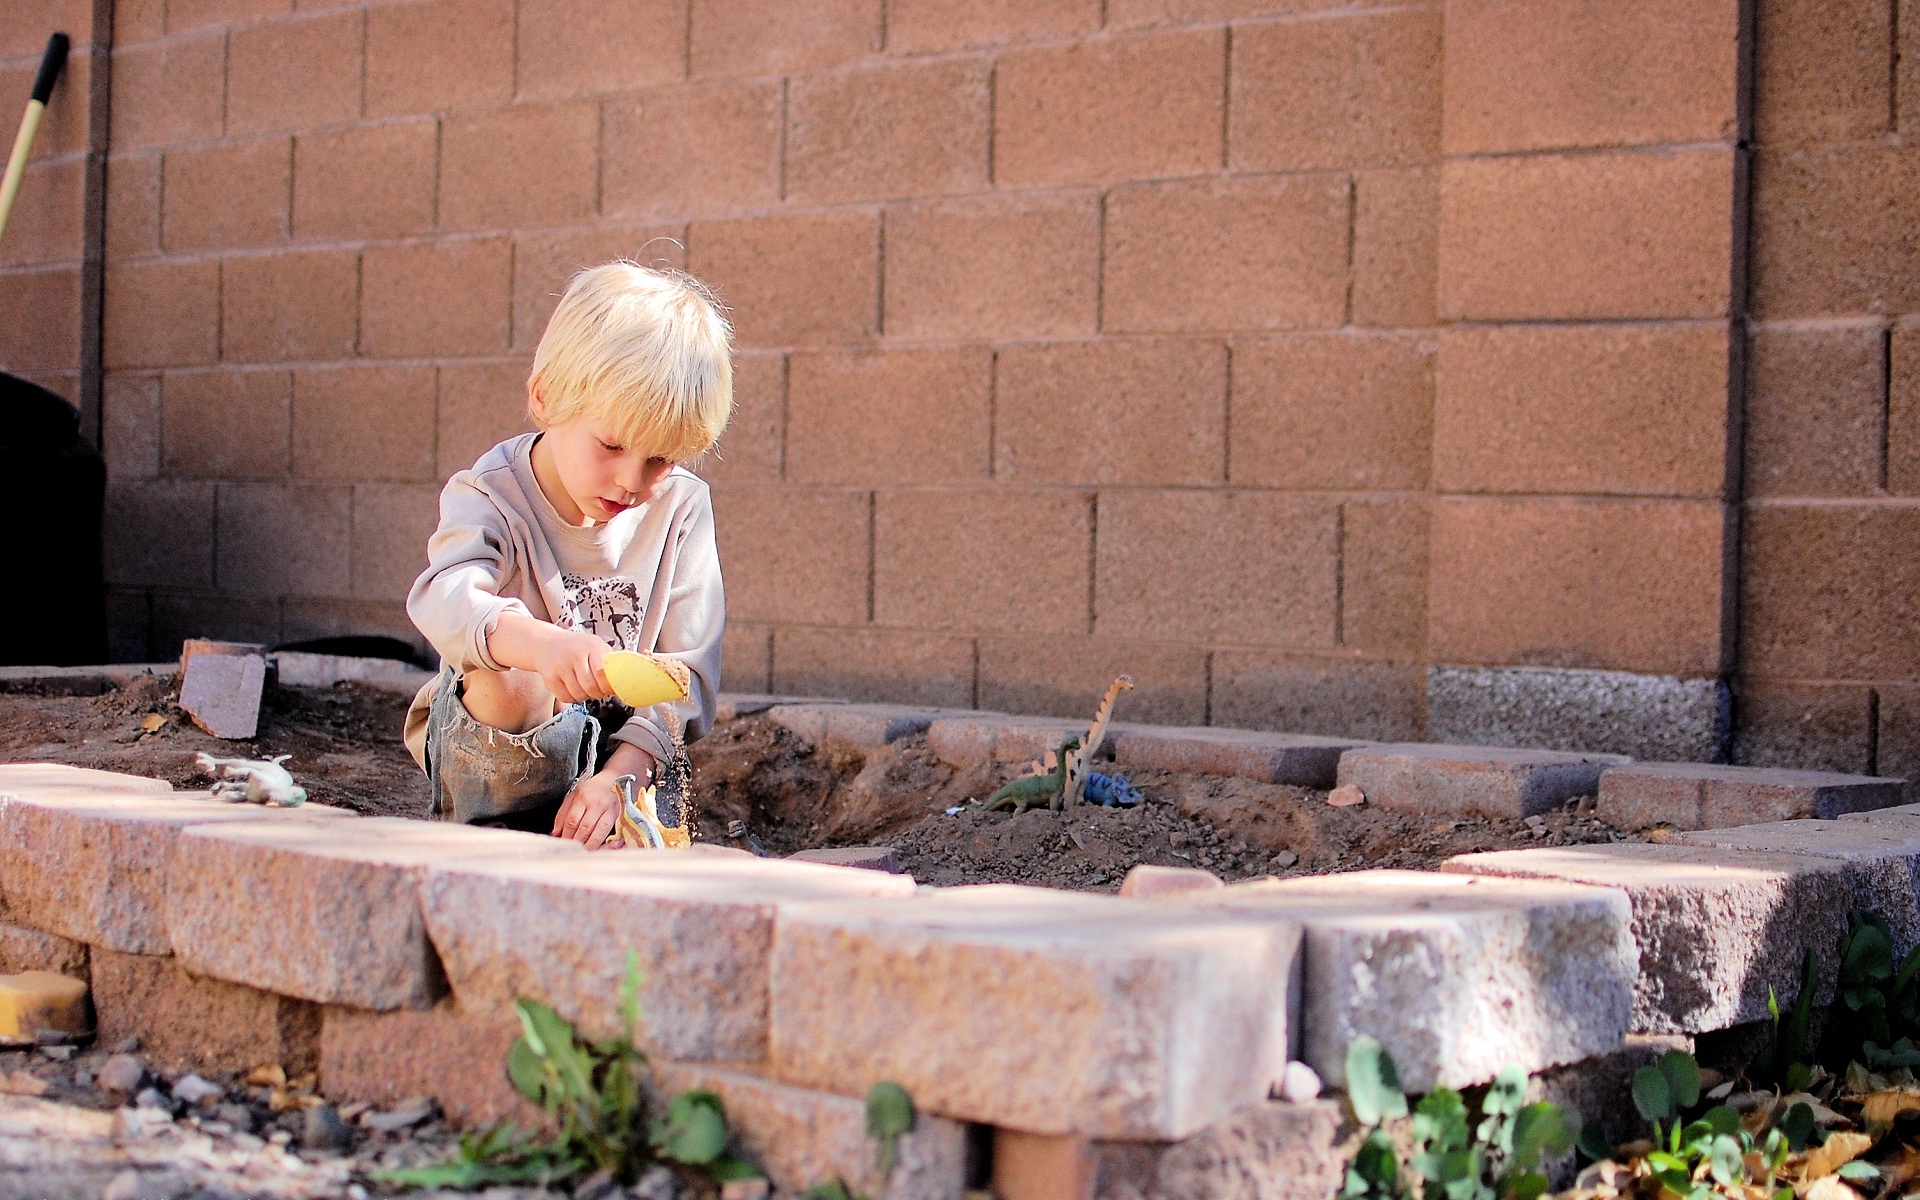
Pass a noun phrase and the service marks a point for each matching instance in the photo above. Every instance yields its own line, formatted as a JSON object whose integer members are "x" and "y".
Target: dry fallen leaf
{"x": 1836, "y": 1152}
{"x": 152, "y": 721}
{"x": 1882, "y": 1107}
{"x": 1829, "y": 1187}
{"x": 268, "y": 1076}
{"x": 20, "y": 1083}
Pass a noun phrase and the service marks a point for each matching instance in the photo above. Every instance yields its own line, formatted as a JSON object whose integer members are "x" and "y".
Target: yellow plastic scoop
{"x": 36, "y": 1000}
{"x": 642, "y": 680}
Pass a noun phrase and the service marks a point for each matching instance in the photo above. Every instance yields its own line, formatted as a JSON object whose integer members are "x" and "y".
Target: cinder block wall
{"x": 1269, "y": 351}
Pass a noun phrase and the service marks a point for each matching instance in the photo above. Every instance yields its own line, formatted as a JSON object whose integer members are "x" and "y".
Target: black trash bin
{"x": 52, "y": 489}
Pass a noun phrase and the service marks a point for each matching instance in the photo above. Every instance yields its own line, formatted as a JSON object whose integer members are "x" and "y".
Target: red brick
{"x": 1822, "y": 70}
{"x": 1133, "y": 412}
{"x": 1031, "y": 1166}
{"x": 225, "y": 197}
{"x": 133, "y": 205}
{"x": 1006, "y": 266}
{"x": 747, "y": 654}
{"x": 1396, "y": 247}
{"x": 950, "y": 559}
{"x": 130, "y": 429}
{"x": 769, "y": 37}
{"x": 793, "y": 279}
{"x": 1587, "y": 236}
{"x": 48, "y": 217}
{"x": 1807, "y": 727}
{"x": 435, "y": 57}
{"x": 184, "y": 15}
{"x": 1121, "y": 108}
{"x": 1608, "y": 409}
{"x": 543, "y": 263}
{"x": 885, "y": 131}
{"x": 520, "y": 166}
{"x": 1227, "y": 254}
{"x": 1897, "y": 740}
{"x": 1338, "y": 411}
{"x": 921, "y": 26}
{"x": 752, "y": 448}
{"x": 391, "y": 525}
{"x": 371, "y": 181}
{"x": 874, "y": 666}
{"x": 1814, "y": 410}
{"x": 795, "y": 554}
{"x": 1359, "y": 91}
{"x": 63, "y": 127}
{"x": 481, "y": 405}
{"x": 42, "y": 331}
{"x": 1622, "y": 585}
{"x": 363, "y": 422}
{"x": 578, "y": 47}
{"x": 1903, "y": 412}
{"x": 1268, "y": 574}
{"x": 188, "y": 1023}
{"x": 1831, "y": 234}
{"x": 1065, "y": 676}
{"x": 276, "y": 540}
{"x": 1569, "y": 73}
{"x": 159, "y": 534}
{"x": 1330, "y": 697}
{"x": 710, "y": 149}
{"x": 162, "y": 314}
{"x": 297, "y": 304}
{"x": 168, "y": 92}
{"x": 457, "y": 1059}
{"x": 452, "y": 296}
{"x": 226, "y": 424}
{"x": 1383, "y": 575}
{"x": 1830, "y": 591}
{"x": 889, "y": 416}
{"x": 294, "y": 75}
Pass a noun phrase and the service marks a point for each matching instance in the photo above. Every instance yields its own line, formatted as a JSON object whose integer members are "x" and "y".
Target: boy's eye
{"x": 610, "y": 448}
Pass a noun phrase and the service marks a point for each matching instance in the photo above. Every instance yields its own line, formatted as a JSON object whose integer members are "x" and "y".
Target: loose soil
{"x": 788, "y": 795}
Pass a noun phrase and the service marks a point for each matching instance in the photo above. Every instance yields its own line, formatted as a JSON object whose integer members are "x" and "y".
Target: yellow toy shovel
{"x": 644, "y": 680}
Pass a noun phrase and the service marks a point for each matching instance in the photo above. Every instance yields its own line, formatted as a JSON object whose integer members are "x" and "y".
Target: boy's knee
{"x": 513, "y": 701}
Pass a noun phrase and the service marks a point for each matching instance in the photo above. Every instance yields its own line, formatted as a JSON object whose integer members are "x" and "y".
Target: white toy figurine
{"x": 254, "y": 780}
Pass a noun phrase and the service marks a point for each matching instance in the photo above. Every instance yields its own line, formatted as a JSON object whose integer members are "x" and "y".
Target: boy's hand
{"x": 568, "y": 661}
{"x": 590, "y": 809}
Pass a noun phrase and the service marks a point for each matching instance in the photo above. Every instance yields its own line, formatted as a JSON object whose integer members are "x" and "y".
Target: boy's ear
{"x": 536, "y": 405}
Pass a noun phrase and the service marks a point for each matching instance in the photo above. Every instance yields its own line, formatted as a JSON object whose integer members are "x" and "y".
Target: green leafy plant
{"x": 1786, "y": 1060}
{"x": 1713, "y": 1154}
{"x": 1453, "y": 1157}
{"x": 1876, "y": 1000}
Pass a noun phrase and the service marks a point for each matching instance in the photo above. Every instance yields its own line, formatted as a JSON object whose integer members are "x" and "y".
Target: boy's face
{"x": 589, "y": 476}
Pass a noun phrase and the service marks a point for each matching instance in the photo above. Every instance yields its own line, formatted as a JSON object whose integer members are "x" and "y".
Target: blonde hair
{"x": 645, "y": 350}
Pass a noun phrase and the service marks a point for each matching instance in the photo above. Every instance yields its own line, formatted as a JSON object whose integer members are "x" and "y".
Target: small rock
{"x": 22, "y": 1083}
{"x": 744, "y": 1189}
{"x": 1346, "y": 796}
{"x": 600, "y": 1185}
{"x": 59, "y": 1053}
{"x": 406, "y": 1116}
{"x": 51, "y": 1037}
{"x": 324, "y": 1130}
{"x": 1536, "y": 821}
{"x": 154, "y": 1098}
{"x": 129, "y": 1045}
{"x": 239, "y": 1116}
{"x": 1300, "y": 1084}
{"x": 132, "y": 1124}
{"x": 1147, "y": 881}
{"x": 269, "y": 1076}
{"x": 191, "y": 1089}
{"x": 82, "y": 1077}
{"x": 122, "y": 1073}
{"x": 656, "y": 1183}
{"x": 1285, "y": 859}
{"x": 124, "y": 1186}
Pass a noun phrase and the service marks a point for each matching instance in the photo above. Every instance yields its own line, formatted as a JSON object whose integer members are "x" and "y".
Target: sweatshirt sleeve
{"x": 456, "y": 602}
{"x": 696, "y": 615}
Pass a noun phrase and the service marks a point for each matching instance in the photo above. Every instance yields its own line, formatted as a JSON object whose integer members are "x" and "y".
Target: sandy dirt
{"x": 789, "y": 795}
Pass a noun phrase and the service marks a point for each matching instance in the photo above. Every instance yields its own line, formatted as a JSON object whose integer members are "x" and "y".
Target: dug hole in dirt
{"x": 791, "y": 795}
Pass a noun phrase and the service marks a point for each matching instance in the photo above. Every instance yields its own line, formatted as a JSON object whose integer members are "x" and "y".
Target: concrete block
{"x": 1455, "y": 981}
{"x": 803, "y": 1138}
{"x": 1462, "y": 780}
{"x": 1898, "y": 813}
{"x": 192, "y": 1024}
{"x": 1293, "y": 758}
{"x": 559, "y": 931}
{"x": 1882, "y": 858}
{"x": 1711, "y": 796}
{"x": 1647, "y": 716}
{"x": 862, "y": 726}
{"x": 1273, "y": 1151}
{"x": 86, "y": 854}
{"x": 1037, "y": 1010}
{"x": 221, "y": 692}
{"x": 325, "y": 670}
{"x": 1716, "y": 928}
{"x": 458, "y": 1059}
{"x": 996, "y": 737}
{"x": 745, "y": 704}
{"x": 330, "y": 915}
{"x": 36, "y": 1000}
{"x": 866, "y": 858}
{"x": 1147, "y": 881}
{"x": 23, "y": 949}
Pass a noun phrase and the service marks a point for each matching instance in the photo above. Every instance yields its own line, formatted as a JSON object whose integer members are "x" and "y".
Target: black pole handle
{"x": 50, "y": 64}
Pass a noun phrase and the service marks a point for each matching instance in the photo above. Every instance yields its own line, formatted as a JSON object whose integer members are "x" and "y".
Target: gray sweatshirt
{"x": 648, "y": 580}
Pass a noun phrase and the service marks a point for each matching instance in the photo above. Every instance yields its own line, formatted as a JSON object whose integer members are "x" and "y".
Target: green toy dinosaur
{"x": 1060, "y": 779}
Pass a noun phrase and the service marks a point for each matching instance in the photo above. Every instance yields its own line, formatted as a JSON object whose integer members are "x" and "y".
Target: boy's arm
{"x": 690, "y": 631}
{"x": 456, "y": 601}
{"x": 571, "y": 663}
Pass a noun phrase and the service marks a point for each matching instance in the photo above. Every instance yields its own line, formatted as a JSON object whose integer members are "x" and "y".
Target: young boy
{"x": 558, "y": 546}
